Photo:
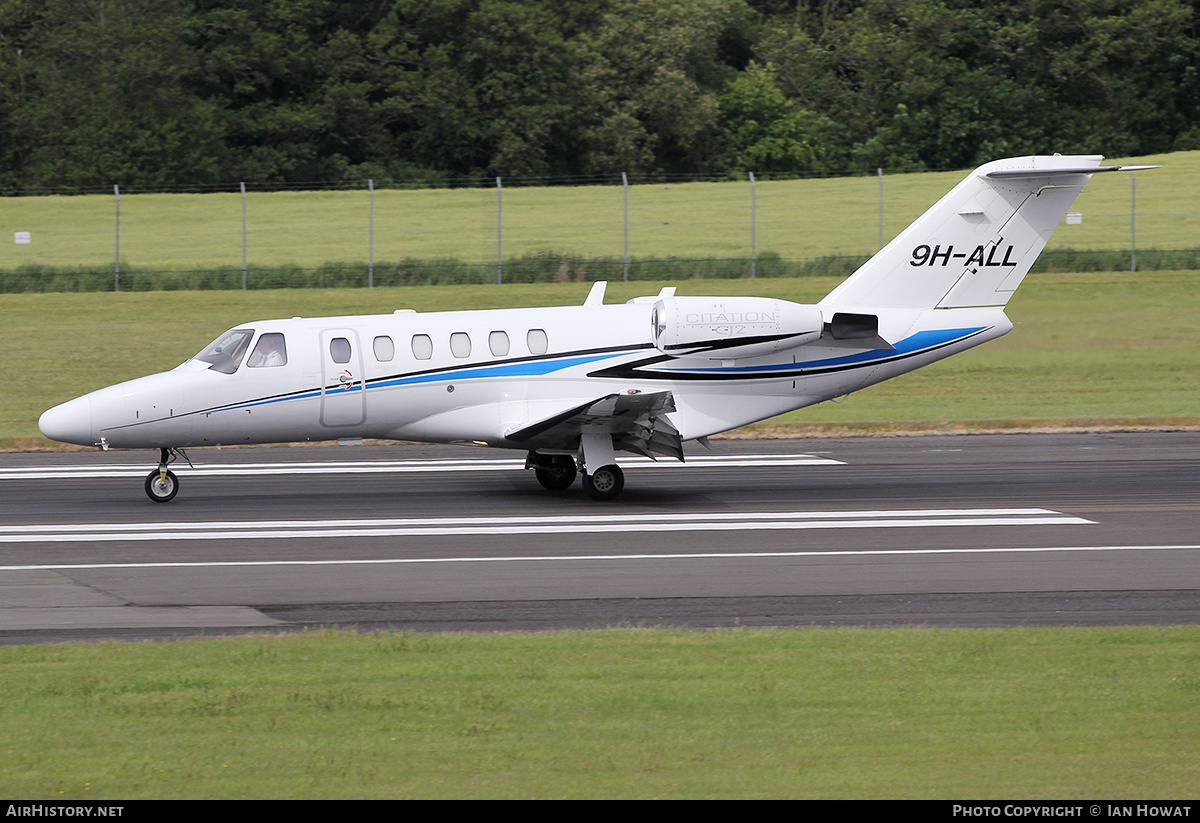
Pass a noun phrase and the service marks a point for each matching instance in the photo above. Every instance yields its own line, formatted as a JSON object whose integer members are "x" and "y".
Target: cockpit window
{"x": 227, "y": 351}
{"x": 270, "y": 350}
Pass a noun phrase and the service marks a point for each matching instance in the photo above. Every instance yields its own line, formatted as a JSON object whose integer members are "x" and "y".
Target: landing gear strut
{"x": 161, "y": 484}
{"x": 602, "y": 477}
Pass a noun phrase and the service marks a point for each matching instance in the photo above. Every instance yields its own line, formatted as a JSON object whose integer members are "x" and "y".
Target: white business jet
{"x": 572, "y": 386}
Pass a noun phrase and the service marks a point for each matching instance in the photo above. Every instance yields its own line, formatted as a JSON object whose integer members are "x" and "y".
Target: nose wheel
{"x": 162, "y": 486}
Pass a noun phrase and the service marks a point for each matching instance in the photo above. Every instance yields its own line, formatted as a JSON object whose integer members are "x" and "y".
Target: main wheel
{"x": 162, "y": 489}
{"x": 559, "y": 475}
{"x": 605, "y": 483}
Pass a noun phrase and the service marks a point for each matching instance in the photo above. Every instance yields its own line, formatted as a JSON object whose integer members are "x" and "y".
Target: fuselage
{"x": 477, "y": 376}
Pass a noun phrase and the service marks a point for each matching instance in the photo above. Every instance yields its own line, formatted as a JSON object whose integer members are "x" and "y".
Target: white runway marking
{"x": 575, "y": 524}
{"x": 396, "y": 561}
{"x": 391, "y": 466}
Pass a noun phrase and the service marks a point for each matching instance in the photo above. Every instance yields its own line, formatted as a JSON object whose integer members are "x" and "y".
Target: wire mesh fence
{"x": 262, "y": 236}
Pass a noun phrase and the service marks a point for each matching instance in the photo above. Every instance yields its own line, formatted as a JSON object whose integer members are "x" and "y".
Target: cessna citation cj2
{"x": 573, "y": 386}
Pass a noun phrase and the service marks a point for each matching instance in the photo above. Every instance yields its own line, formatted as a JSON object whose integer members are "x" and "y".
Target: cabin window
{"x": 339, "y": 350}
{"x": 422, "y": 346}
{"x": 537, "y": 341}
{"x": 226, "y": 352}
{"x": 498, "y": 343}
{"x": 268, "y": 352}
{"x": 460, "y": 344}
{"x": 385, "y": 349}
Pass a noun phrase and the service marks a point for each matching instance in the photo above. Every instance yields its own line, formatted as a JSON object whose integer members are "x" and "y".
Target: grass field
{"x": 923, "y": 713}
{"x": 1089, "y": 349}
{"x": 796, "y": 219}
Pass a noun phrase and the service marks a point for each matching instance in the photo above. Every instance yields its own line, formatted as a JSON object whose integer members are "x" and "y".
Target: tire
{"x": 605, "y": 483}
{"x": 162, "y": 490}
{"x": 557, "y": 476}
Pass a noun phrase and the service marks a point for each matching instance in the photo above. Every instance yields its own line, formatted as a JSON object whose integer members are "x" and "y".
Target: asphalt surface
{"x": 1073, "y": 529}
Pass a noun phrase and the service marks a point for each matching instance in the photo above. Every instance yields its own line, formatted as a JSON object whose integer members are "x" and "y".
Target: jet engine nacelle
{"x": 728, "y": 328}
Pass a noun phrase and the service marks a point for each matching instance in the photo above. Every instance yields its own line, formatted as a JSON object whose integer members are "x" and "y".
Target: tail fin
{"x": 975, "y": 246}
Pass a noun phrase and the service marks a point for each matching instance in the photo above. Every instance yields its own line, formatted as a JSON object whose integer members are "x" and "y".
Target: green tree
{"x": 101, "y": 95}
{"x": 653, "y": 75}
{"x": 165, "y": 92}
{"x": 950, "y": 83}
{"x": 303, "y": 87}
{"x": 764, "y": 130}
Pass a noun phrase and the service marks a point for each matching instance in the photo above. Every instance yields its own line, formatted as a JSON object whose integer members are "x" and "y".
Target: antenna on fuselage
{"x": 596, "y": 295}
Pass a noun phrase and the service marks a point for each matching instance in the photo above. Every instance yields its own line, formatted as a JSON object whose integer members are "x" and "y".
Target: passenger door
{"x": 343, "y": 385}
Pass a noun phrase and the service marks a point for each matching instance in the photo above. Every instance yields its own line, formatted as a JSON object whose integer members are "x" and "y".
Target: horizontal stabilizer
{"x": 1001, "y": 173}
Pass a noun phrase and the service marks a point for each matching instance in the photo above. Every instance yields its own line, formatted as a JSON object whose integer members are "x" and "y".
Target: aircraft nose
{"x": 70, "y": 422}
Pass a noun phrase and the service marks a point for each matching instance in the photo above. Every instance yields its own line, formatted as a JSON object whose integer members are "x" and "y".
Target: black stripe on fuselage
{"x": 636, "y": 370}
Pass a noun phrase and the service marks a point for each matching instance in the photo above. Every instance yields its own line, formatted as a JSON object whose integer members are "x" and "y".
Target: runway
{"x": 996, "y": 530}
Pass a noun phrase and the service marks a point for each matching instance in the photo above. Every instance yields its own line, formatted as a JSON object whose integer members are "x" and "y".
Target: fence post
{"x": 243, "y": 186}
{"x": 1133, "y": 221}
{"x": 625, "y": 256}
{"x": 117, "y": 262}
{"x": 499, "y": 232}
{"x": 753, "y": 227}
{"x": 371, "y": 238}
{"x": 879, "y": 171}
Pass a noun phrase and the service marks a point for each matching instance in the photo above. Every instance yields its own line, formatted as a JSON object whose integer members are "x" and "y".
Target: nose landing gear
{"x": 161, "y": 484}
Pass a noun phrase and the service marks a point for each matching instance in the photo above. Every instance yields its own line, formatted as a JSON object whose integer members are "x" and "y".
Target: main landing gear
{"x": 161, "y": 484}
{"x": 556, "y": 472}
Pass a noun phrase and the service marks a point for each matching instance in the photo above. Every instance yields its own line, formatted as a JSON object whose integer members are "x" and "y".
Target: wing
{"x": 637, "y": 422}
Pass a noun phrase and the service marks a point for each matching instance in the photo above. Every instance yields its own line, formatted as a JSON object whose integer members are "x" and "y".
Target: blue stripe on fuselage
{"x": 530, "y": 368}
{"x": 909, "y": 345}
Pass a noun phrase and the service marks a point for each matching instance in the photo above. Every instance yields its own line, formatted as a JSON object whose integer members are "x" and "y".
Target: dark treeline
{"x": 159, "y": 93}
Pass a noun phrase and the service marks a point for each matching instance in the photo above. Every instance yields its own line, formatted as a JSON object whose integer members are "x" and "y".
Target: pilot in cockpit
{"x": 270, "y": 351}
